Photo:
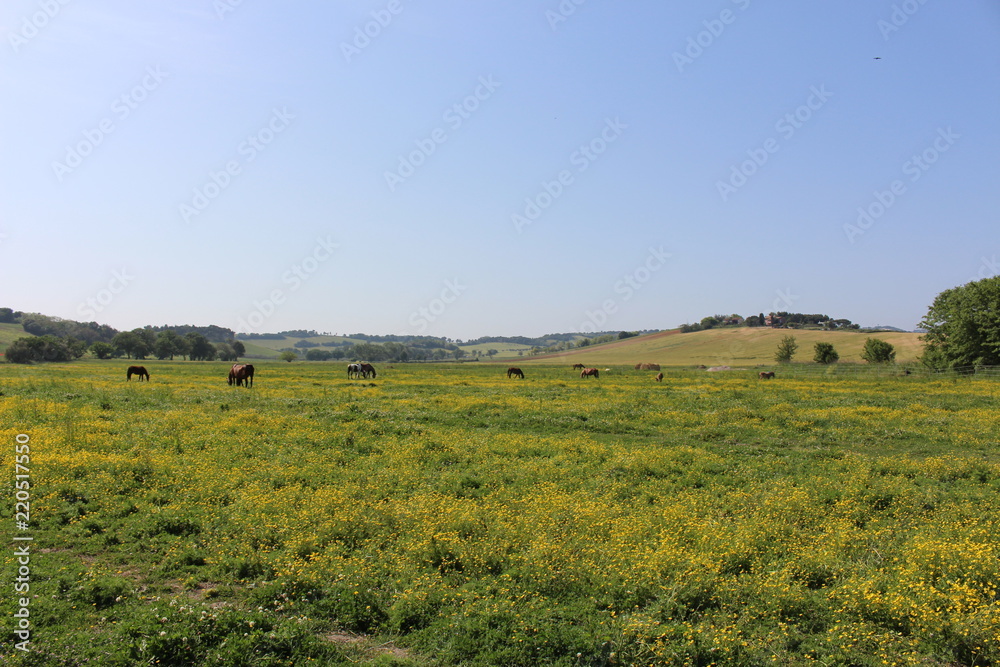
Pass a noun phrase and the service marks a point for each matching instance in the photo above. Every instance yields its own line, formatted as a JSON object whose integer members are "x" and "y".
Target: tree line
{"x": 773, "y": 319}
{"x": 135, "y": 344}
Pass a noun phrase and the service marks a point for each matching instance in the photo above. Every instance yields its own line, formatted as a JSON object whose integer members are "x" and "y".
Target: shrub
{"x": 878, "y": 351}
{"x": 825, "y": 354}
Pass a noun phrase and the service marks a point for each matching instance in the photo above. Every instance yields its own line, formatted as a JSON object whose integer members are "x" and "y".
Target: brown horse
{"x": 578, "y": 367}
{"x": 136, "y": 370}
{"x": 766, "y": 375}
{"x": 659, "y": 377}
{"x": 588, "y": 372}
{"x": 515, "y": 371}
{"x": 241, "y": 374}
{"x": 367, "y": 369}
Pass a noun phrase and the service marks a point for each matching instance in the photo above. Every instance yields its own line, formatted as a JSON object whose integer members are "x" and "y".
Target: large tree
{"x": 963, "y": 326}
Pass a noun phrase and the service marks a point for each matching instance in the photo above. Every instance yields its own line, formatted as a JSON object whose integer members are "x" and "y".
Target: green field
{"x": 445, "y": 515}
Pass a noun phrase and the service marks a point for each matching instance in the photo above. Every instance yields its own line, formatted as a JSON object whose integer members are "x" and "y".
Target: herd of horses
{"x": 242, "y": 374}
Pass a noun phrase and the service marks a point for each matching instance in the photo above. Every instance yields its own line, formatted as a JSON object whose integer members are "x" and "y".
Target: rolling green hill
{"x": 742, "y": 346}
{"x": 9, "y": 333}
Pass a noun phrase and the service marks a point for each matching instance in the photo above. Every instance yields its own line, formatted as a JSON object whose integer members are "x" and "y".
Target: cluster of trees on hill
{"x": 167, "y": 344}
{"x": 778, "y": 319}
{"x": 387, "y": 352}
{"x": 56, "y": 339}
{"x": 213, "y": 333}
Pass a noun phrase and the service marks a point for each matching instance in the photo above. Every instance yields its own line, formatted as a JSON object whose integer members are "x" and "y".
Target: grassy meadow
{"x": 445, "y": 515}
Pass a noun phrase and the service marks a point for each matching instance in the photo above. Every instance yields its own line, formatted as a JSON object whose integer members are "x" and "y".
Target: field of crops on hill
{"x": 446, "y": 515}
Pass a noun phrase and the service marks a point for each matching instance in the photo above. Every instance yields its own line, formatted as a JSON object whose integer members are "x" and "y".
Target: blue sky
{"x": 494, "y": 168}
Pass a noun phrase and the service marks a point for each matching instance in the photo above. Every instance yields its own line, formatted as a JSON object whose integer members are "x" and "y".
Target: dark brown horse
{"x": 136, "y": 370}
{"x": 588, "y": 372}
{"x": 367, "y": 369}
{"x": 241, "y": 374}
{"x": 511, "y": 372}
{"x": 578, "y": 367}
{"x": 659, "y": 377}
{"x": 766, "y": 375}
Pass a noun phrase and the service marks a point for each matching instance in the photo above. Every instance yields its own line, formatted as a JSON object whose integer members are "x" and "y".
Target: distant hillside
{"x": 730, "y": 347}
{"x": 9, "y": 333}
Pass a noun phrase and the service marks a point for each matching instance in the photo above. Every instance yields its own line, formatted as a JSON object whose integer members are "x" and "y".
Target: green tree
{"x": 878, "y": 351}
{"x": 288, "y": 356}
{"x": 825, "y": 354}
{"x": 963, "y": 326}
{"x": 317, "y": 354}
{"x": 786, "y": 350}
{"x": 199, "y": 349}
{"x": 168, "y": 344}
{"x": 102, "y": 350}
{"x": 225, "y": 352}
{"x": 238, "y": 347}
{"x": 130, "y": 344}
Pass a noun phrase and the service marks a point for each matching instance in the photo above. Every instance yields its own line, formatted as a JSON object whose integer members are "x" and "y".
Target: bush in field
{"x": 825, "y": 354}
{"x": 786, "y": 350}
{"x": 878, "y": 351}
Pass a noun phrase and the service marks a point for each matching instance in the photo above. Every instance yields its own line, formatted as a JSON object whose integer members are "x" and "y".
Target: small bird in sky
{"x": 878, "y": 57}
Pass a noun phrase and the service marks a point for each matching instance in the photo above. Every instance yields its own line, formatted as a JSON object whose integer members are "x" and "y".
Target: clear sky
{"x": 494, "y": 168}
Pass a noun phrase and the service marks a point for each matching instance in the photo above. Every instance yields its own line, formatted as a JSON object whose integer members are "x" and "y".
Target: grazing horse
{"x": 136, "y": 370}
{"x": 515, "y": 371}
{"x": 659, "y": 377}
{"x": 766, "y": 375}
{"x": 578, "y": 367}
{"x": 241, "y": 374}
{"x": 353, "y": 370}
{"x": 588, "y": 372}
{"x": 367, "y": 369}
